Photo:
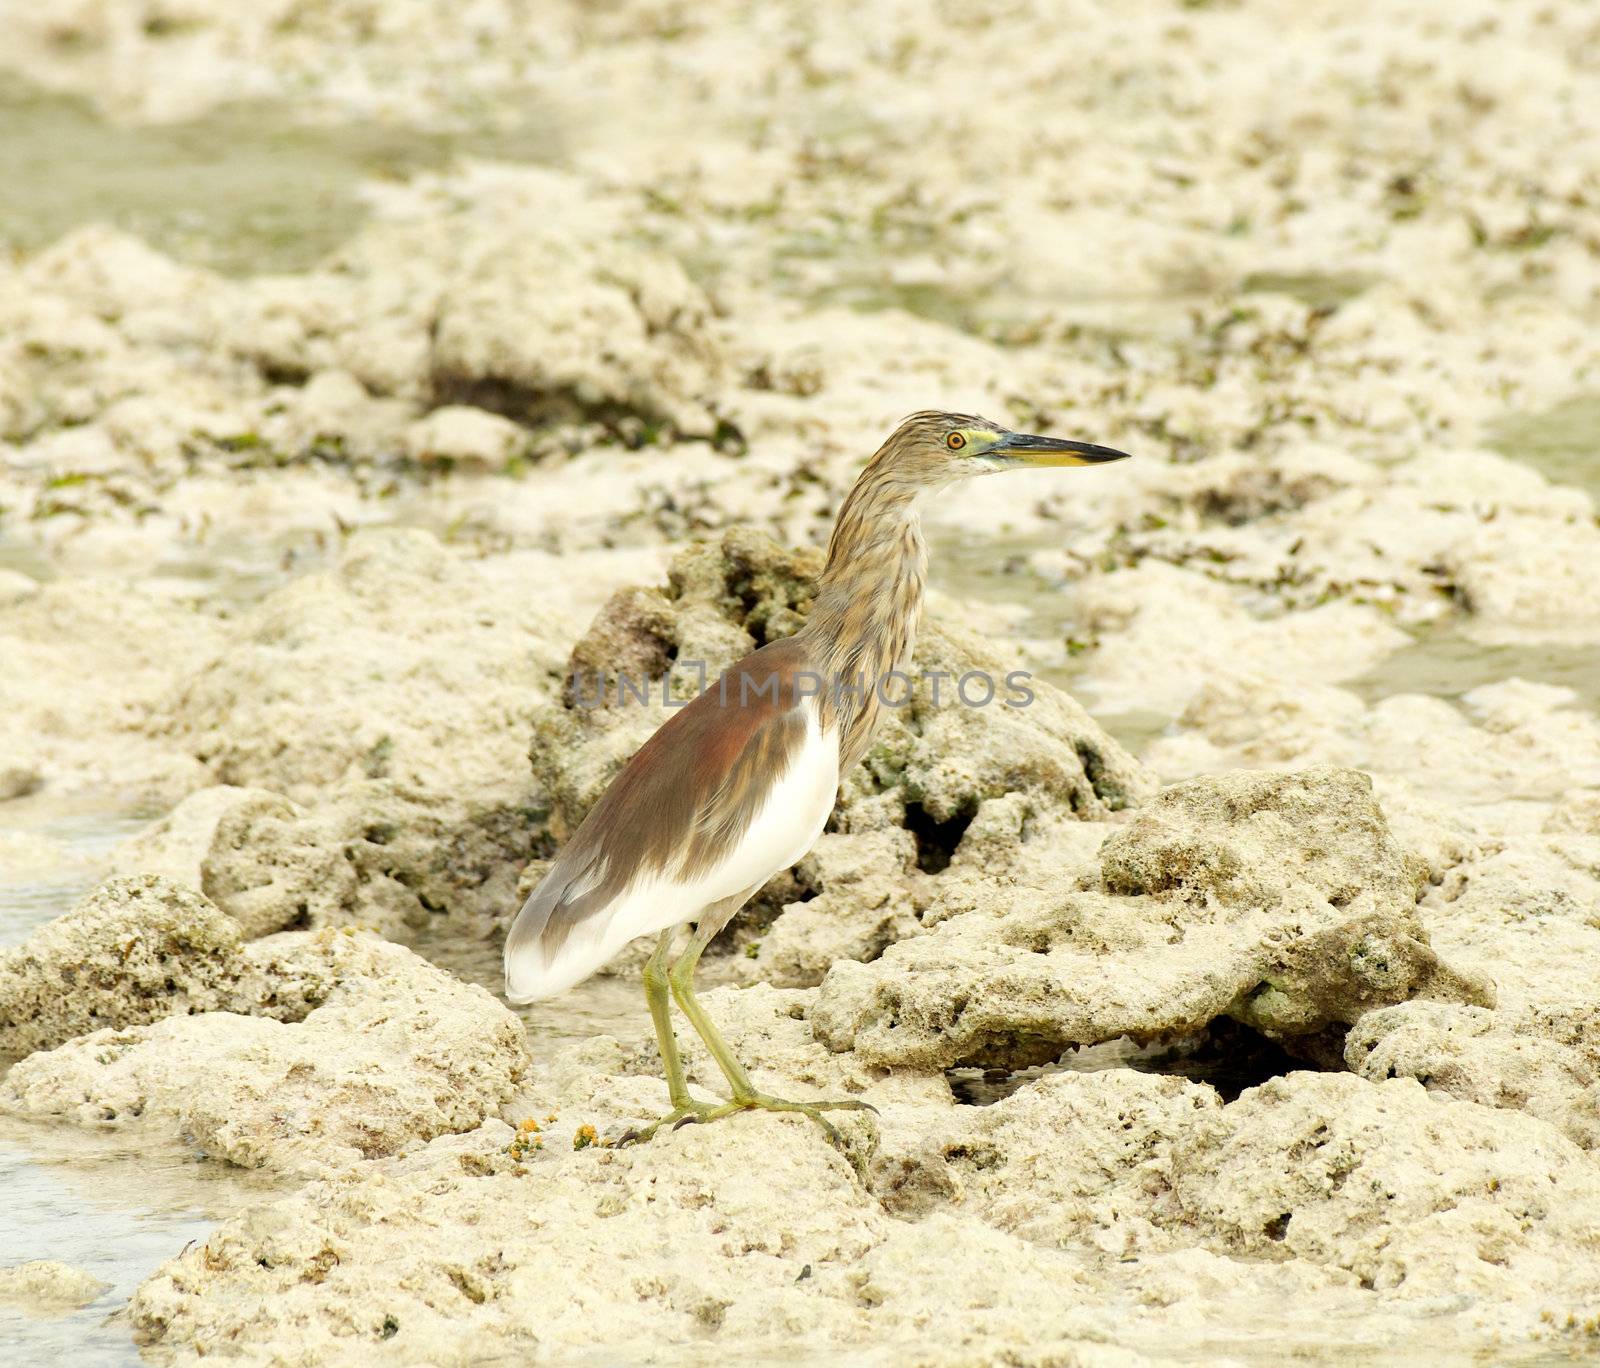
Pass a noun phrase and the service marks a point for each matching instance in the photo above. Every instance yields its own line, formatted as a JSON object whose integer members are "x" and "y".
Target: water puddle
{"x": 1446, "y": 662}
{"x": 1315, "y": 289}
{"x": 245, "y": 190}
{"x": 82, "y": 835}
{"x": 1562, "y": 443}
{"x": 116, "y": 1209}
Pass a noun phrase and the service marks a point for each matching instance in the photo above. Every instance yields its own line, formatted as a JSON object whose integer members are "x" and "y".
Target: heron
{"x": 737, "y": 785}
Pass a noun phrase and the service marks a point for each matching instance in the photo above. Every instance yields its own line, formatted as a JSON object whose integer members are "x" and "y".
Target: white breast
{"x": 785, "y": 828}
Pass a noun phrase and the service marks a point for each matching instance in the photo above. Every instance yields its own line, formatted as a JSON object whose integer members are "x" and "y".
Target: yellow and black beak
{"x": 1026, "y": 450}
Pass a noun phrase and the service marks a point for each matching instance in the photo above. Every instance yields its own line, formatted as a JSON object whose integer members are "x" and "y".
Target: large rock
{"x": 1468, "y": 1053}
{"x": 1070, "y": 1160}
{"x": 1417, "y": 1196}
{"x": 1090, "y": 1206}
{"x": 1525, "y": 908}
{"x": 1278, "y": 900}
{"x": 86, "y": 665}
{"x": 176, "y": 846}
{"x": 396, "y": 1053}
{"x": 372, "y": 853}
{"x": 1512, "y": 736}
{"x": 135, "y": 950}
{"x": 139, "y": 950}
{"x": 369, "y": 854}
{"x": 403, "y": 662}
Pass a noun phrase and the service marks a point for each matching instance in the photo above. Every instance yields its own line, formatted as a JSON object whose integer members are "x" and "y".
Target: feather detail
{"x": 732, "y": 788}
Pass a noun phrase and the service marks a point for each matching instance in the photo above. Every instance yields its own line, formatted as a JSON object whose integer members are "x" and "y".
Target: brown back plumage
{"x": 684, "y": 800}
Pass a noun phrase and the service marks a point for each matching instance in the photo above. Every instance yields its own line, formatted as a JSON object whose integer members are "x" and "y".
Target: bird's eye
{"x": 955, "y": 441}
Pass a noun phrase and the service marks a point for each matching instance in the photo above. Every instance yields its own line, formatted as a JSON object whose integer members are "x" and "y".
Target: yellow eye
{"x": 955, "y": 441}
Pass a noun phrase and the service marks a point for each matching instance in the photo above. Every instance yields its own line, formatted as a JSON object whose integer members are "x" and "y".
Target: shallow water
{"x": 246, "y": 190}
{"x": 1562, "y": 443}
{"x": 114, "y": 1207}
{"x": 602, "y": 1005}
{"x": 86, "y": 832}
{"x": 1446, "y": 661}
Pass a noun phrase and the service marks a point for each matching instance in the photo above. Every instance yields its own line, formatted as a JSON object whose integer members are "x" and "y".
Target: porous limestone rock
{"x": 1081, "y": 1206}
{"x": 459, "y": 434}
{"x": 1198, "y": 629}
{"x": 1467, "y": 1053}
{"x": 483, "y": 1275}
{"x": 83, "y": 666}
{"x": 1068, "y": 1160}
{"x": 395, "y": 1054}
{"x": 871, "y": 895}
{"x": 1511, "y": 738}
{"x": 175, "y": 846}
{"x": 134, "y": 950}
{"x": 404, "y": 662}
{"x": 1525, "y": 910}
{"x": 47, "y": 1287}
{"x": 1418, "y": 1196}
{"x": 540, "y": 322}
{"x": 371, "y": 853}
{"x": 159, "y": 978}
{"x": 1280, "y": 900}
{"x": 621, "y": 1252}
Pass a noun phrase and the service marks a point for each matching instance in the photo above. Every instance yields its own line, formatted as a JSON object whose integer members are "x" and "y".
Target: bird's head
{"x": 933, "y": 448}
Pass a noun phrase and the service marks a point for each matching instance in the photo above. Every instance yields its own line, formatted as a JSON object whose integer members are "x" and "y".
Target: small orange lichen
{"x": 529, "y": 1125}
{"x": 585, "y": 1137}
{"x": 550, "y": 1120}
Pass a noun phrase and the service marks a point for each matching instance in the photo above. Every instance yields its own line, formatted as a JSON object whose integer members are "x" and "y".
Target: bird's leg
{"x": 659, "y": 996}
{"x": 746, "y": 1096}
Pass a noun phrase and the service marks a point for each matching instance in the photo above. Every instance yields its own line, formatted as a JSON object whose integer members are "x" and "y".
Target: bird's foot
{"x": 682, "y": 1114}
{"x": 694, "y": 1113}
{"x": 762, "y": 1102}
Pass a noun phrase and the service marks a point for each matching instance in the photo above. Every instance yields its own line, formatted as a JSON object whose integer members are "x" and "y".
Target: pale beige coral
{"x": 135, "y": 950}
{"x": 1111, "y": 1192}
{"x": 1279, "y": 900}
{"x": 403, "y": 662}
{"x": 175, "y": 846}
{"x": 86, "y": 664}
{"x": 1511, "y": 739}
{"x": 1417, "y": 1196}
{"x": 395, "y": 1054}
{"x": 1466, "y": 1052}
{"x": 371, "y": 853}
{"x": 47, "y": 1287}
{"x": 1525, "y": 910}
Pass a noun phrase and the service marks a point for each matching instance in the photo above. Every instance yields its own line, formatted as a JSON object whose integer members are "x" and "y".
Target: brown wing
{"x": 684, "y": 800}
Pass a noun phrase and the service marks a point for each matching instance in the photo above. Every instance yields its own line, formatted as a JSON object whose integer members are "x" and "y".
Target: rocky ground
{"x": 1233, "y": 1001}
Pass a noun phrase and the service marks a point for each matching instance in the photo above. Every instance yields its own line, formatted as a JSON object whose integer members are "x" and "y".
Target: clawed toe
{"x": 701, "y": 1112}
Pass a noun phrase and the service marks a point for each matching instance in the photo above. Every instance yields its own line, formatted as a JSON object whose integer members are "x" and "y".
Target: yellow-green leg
{"x": 658, "y": 995}
{"x": 746, "y": 1097}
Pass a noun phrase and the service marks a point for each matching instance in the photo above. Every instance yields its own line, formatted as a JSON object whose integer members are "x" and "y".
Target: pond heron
{"x": 736, "y": 786}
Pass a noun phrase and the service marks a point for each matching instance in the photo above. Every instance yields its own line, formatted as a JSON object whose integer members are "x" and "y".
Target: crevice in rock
{"x": 1229, "y": 1056}
{"x": 937, "y": 840}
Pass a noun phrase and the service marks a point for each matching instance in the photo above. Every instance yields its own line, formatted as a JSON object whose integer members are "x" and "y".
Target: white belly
{"x": 785, "y": 828}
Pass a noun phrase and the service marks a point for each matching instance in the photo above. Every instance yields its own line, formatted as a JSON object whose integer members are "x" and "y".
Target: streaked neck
{"x": 863, "y": 621}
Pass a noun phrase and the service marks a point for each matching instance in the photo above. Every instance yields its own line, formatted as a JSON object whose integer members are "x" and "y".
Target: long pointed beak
{"x": 1028, "y": 450}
